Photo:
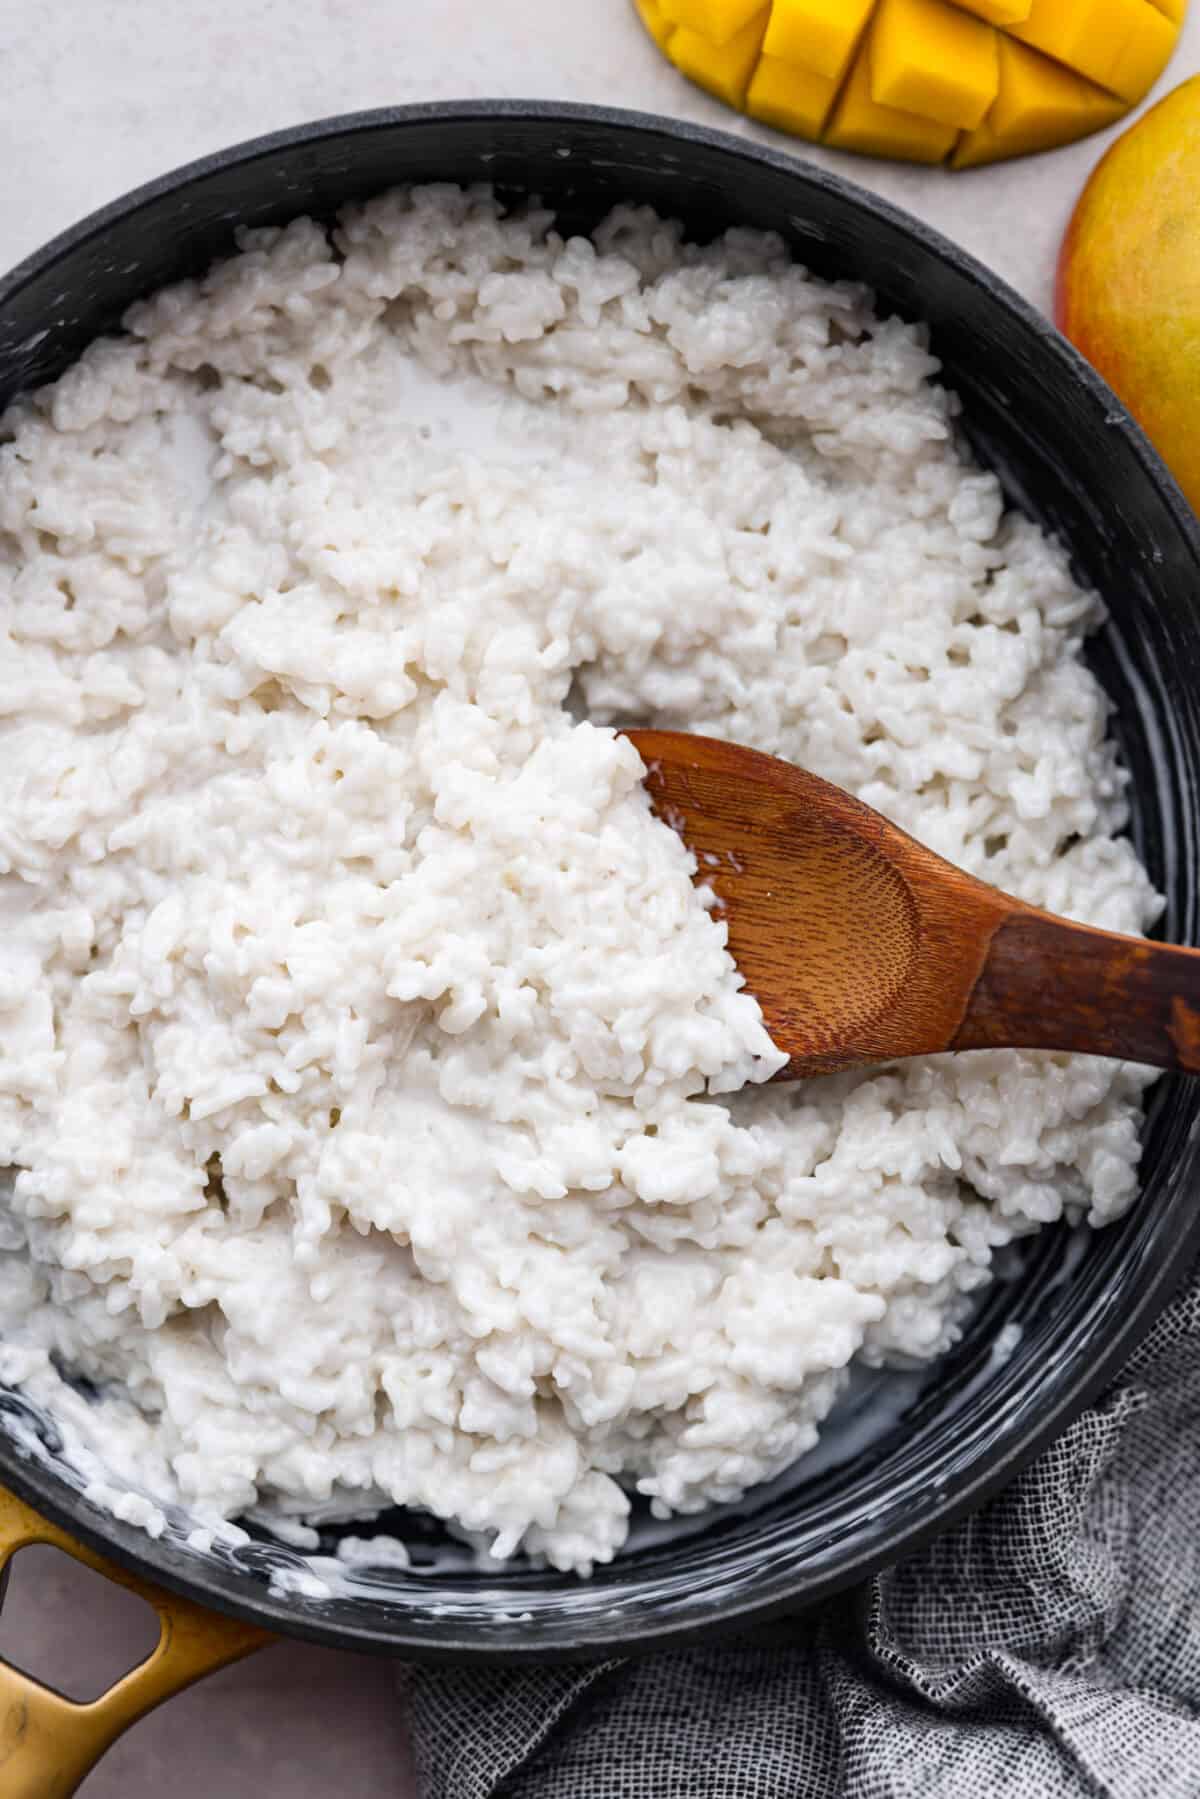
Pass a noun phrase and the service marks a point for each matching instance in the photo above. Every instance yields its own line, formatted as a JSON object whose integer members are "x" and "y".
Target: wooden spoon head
{"x": 829, "y": 911}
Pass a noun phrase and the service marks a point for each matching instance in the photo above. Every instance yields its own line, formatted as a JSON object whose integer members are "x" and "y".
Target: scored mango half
{"x": 954, "y": 81}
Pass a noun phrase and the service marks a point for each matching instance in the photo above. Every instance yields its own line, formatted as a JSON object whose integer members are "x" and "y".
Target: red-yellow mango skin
{"x": 1128, "y": 288}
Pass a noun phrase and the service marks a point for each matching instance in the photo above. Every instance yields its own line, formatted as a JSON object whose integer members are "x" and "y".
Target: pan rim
{"x": 781, "y": 1593}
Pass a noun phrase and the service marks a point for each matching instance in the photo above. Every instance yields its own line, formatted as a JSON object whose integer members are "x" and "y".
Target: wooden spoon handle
{"x": 1049, "y": 984}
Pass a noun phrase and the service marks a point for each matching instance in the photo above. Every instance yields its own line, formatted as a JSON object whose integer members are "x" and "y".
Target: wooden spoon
{"x": 862, "y": 946}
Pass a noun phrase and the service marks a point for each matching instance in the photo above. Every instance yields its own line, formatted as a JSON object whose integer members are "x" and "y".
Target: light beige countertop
{"x": 99, "y": 95}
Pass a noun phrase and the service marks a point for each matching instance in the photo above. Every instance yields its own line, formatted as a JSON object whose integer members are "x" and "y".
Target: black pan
{"x": 908, "y": 1457}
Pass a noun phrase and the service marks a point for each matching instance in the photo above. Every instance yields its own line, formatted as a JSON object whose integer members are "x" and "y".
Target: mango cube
{"x": 723, "y": 69}
{"x": 716, "y": 20}
{"x": 1145, "y": 55}
{"x": 816, "y": 34}
{"x": 931, "y": 58}
{"x": 789, "y": 98}
{"x": 1039, "y": 104}
{"x": 860, "y": 123}
{"x": 655, "y": 20}
{"x": 1001, "y": 12}
{"x": 1112, "y": 42}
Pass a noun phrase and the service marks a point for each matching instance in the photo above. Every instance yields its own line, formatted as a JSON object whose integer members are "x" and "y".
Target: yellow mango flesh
{"x": 934, "y": 59}
{"x": 1038, "y": 104}
{"x": 1128, "y": 291}
{"x": 725, "y": 70}
{"x": 860, "y": 123}
{"x": 1002, "y": 12}
{"x": 655, "y": 20}
{"x": 716, "y": 20}
{"x": 956, "y": 81}
{"x": 815, "y": 35}
{"x": 1122, "y": 45}
{"x": 791, "y": 99}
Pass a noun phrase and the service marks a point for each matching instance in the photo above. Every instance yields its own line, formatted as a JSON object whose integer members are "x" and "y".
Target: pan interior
{"x": 904, "y": 1451}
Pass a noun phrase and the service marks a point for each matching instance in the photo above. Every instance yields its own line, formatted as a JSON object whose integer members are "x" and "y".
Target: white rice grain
{"x": 361, "y": 1029}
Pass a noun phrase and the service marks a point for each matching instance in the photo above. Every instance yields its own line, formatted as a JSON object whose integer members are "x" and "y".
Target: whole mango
{"x": 1128, "y": 289}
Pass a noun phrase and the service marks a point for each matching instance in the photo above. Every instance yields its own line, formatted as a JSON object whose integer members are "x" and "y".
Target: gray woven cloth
{"x": 1047, "y": 1646}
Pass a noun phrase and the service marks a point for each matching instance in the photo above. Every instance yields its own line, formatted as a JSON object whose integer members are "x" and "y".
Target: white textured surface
{"x": 98, "y": 98}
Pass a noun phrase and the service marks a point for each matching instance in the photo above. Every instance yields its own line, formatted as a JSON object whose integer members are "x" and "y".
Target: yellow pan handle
{"x": 48, "y": 1743}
